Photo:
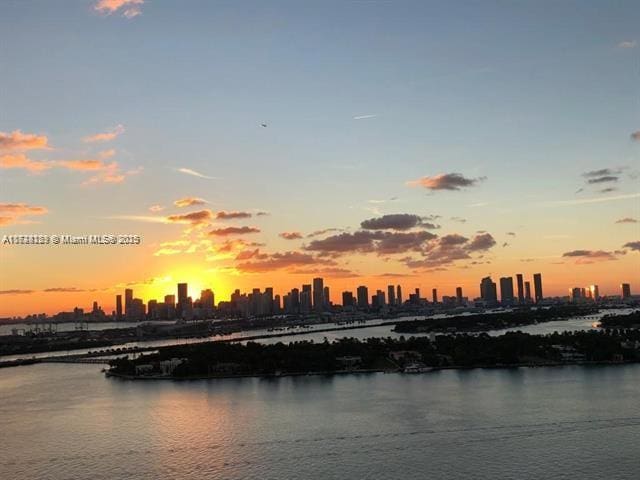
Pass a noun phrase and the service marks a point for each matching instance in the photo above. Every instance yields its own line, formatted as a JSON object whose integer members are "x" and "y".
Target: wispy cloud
{"x": 12, "y": 213}
{"x": 291, "y": 235}
{"x": 628, "y": 44}
{"x": 627, "y": 220}
{"x": 189, "y": 201}
{"x": 636, "y": 136}
{"x": 188, "y": 171}
{"x": 128, "y": 8}
{"x": 445, "y": 181}
{"x": 156, "y": 208}
{"x": 363, "y": 117}
{"x": 222, "y": 232}
{"x": 584, "y": 201}
{"x": 17, "y": 140}
{"x": 21, "y": 161}
{"x": 107, "y": 136}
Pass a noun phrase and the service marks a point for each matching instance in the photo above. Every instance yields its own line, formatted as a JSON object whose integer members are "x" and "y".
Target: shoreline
{"x": 122, "y": 376}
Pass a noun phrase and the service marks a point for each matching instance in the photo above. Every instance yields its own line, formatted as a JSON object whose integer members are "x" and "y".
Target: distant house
{"x": 144, "y": 369}
{"x": 350, "y": 362}
{"x": 403, "y": 356}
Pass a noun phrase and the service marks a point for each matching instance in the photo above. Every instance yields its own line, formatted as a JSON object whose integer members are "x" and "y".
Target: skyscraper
{"x": 434, "y": 295}
{"x": 459, "y": 295}
{"x": 527, "y": 292}
{"x": 537, "y": 285}
{"x": 488, "y": 290}
{"x": 182, "y": 293}
{"x": 318, "y": 294}
{"x": 128, "y": 300}
{"x": 506, "y": 290}
{"x": 520, "y": 288}
{"x": 118, "y": 307}
{"x": 363, "y": 296}
{"x": 399, "y": 294}
{"x": 347, "y": 299}
{"x": 326, "y": 298}
{"x": 294, "y": 300}
{"x": 391, "y": 294}
{"x": 626, "y": 291}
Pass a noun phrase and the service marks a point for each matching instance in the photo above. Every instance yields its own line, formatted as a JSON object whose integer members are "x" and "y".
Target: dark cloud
{"x": 371, "y": 241}
{"x": 446, "y": 181}
{"x": 603, "y": 172}
{"x": 608, "y": 190}
{"x": 335, "y": 272}
{"x": 319, "y": 233}
{"x": 396, "y": 221}
{"x": 636, "y": 136}
{"x": 221, "y": 232}
{"x": 605, "y": 179}
{"x": 459, "y": 219}
{"x": 232, "y": 215}
{"x": 291, "y": 235}
{"x": 285, "y": 260}
{"x": 627, "y": 220}
{"x": 195, "y": 218}
{"x": 483, "y": 241}
{"x": 590, "y": 256}
{"x": 513, "y": 234}
{"x": 15, "y": 292}
{"x": 633, "y": 245}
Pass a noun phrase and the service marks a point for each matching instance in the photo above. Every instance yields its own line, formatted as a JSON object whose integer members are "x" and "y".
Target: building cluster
{"x": 314, "y": 298}
{"x": 509, "y": 296}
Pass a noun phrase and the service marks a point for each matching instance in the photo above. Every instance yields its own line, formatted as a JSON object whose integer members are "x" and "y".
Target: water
{"x": 367, "y": 330}
{"x": 6, "y": 328}
{"x": 68, "y": 421}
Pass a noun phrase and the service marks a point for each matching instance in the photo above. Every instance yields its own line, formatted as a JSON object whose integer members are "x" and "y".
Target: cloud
{"x": 139, "y": 218}
{"x": 319, "y": 233}
{"x": 63, "y": 290}
{"x": 291, "y": 235}
{"x": 156, "y": 208}
{"x": 370, "y": 241}
{"x": 636, "y": 136}
{"x": 262, "y": 214}
{"x": 83, "y": 165}
{"x": 233, "y": 231}
{"x": 481, "y": 242}
{"x": 333, "y": 272}
{"x": 395, "y": 221}
{"x": 602, "y": 172}
{"x": 584, "y": 201}
{"x": 627, "y": 220}
{"x": 16, "y": 292}
{"x": 232, "y": 215}
{"x": 459, "y": 219}
{"x": 363, "y": 117}
{"x": 128, "y": 8}
{"x": 110, "y": 173}
{"x": 608, "y": 190}
{"x": 633, "y": 245}
{"x": 278, "y": 261}
{"x": 449, "y": 249}
{"x": 585, "y": 257}
{"x": 23, "y": 162}
{"x": 513, "y": 234}
{"x": 189, "y": 201}
{"x": 188, "y": 171}
{"x": 17, "y": 140}
{"x": 604, "y": 179}
{"x": 628, "y": 44}
{"x": 194, "y": 218}
{"x": 446, "y": 181}
{"x": 107, "y": 136}
{"x": 12, "y": 213}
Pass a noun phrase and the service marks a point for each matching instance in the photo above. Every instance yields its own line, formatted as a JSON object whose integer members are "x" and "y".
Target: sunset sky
{"x": 424, "y": 144}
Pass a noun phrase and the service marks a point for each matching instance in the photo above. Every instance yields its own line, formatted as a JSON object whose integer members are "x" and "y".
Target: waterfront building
{"x": 537, "y": 284}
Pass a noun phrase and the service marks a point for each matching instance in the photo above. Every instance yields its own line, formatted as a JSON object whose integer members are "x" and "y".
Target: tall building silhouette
{"x": 434, "y": 295}
{"x": 626, "y": 291}
{"x": 399, "y": 294}
{"x": 537, "y": 285}
{"x": 391, "y": 295}
{"x": 459, "y": 295}
{"x": 363, "y": 296}
{"x": 527, "y": 292}
{"x": 128, "y": 302}
{"x": 318, "y": 294}
{"x": 506, "y": 290}
{"x": 488, "y": 290}
{"x": 520, "y": 283}
{"x": 119, "y": 307}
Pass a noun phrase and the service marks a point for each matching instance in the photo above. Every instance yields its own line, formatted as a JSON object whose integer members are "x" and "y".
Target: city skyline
{"x": 314, "y": 299}
{"x": 412, "y": 148}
